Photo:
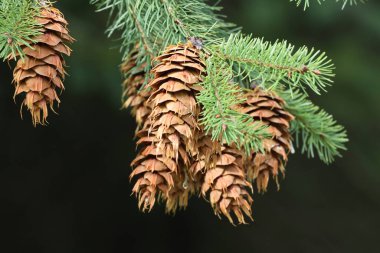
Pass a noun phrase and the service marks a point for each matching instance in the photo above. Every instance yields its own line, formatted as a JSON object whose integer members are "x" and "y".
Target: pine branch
{"x": 315, "y": 130}
{"x": 255, "y": 60}
{"x": 18, "y": 26}
{"x": 306, "y": 3}
{"x": 155, "y": 24}
{"x": 218, "y": 98}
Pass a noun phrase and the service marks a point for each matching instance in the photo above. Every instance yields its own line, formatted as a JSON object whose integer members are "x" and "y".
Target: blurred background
{"x": 65, "y": 188}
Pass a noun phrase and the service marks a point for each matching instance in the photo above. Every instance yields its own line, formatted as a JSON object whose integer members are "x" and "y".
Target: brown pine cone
{"x": 39, "y": 75}
{"x": 226, "y": 186}
{"x": 268, "y": 108}
{"x": 134, "y": 95}
{"x": 169, "y": 135}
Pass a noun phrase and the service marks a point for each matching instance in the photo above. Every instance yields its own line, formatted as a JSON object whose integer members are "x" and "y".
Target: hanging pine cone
{"x": 168, "y": 138}
{"x": 268, "y": 108}
{"x": 39, "y": 75}
{"x": 226, "y": 187}
{"x": 134, "y": 97}
{"x": 155, "y": 167}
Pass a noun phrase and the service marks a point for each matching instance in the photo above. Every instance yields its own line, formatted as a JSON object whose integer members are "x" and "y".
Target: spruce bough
{"x": 217, "y": 110}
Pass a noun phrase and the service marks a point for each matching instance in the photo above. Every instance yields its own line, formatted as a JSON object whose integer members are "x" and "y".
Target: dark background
{"x": 64, "y": 188}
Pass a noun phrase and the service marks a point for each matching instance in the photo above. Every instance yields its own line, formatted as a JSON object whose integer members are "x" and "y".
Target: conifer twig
{"x": 161, "y": 23}
{"x": 254, "y": 59}
{"x": 143, "y": 35}
{"x": 316, "y": 131}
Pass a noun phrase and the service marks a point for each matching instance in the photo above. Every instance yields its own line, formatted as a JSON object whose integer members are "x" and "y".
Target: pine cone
{"x": 155, "y": 167}
{"x": 170, "y": 133}
{"x": 268, "y": 108}
{"x": 39, "y": 75}
{"x": 226, "y": 187}
{"x": 134, "y": 97}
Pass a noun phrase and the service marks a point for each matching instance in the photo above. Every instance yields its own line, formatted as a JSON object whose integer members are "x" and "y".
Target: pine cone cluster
{"x": 38, "y": 76}
{"x": 177, "y": 159}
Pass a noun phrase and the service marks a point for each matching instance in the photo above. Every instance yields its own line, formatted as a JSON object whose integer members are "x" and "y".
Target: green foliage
{"x": 155, "y": 24}
{"x": 306, "y": 3}
{"x": 316, "y": 131}
{"x": 218, "y": 98}
{"x": 259, "y": 61}
{"x": 18, "y": 26}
